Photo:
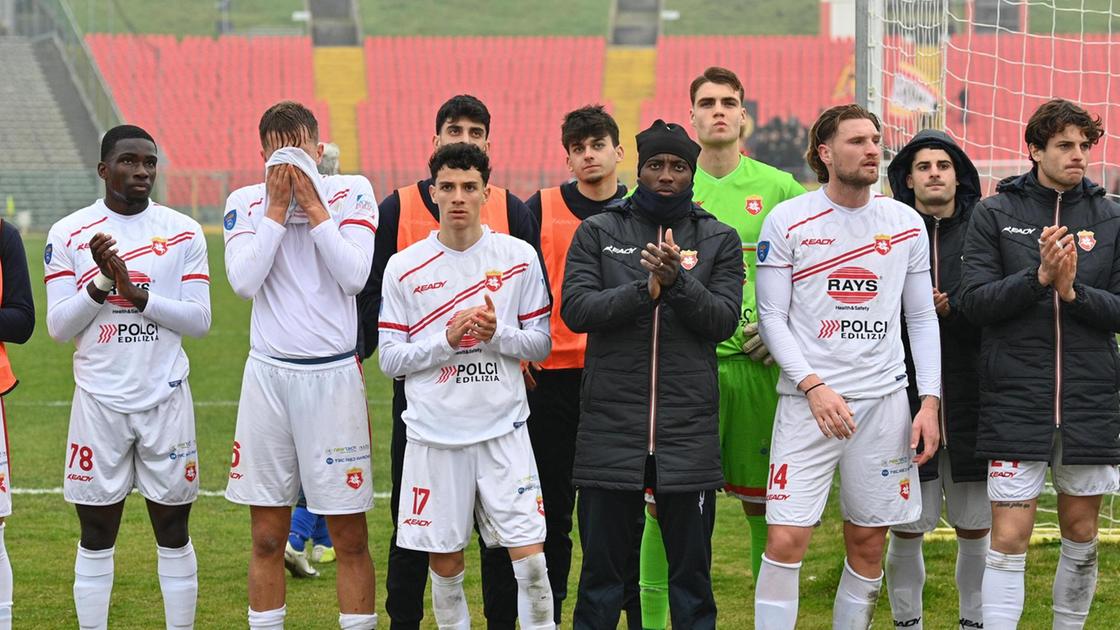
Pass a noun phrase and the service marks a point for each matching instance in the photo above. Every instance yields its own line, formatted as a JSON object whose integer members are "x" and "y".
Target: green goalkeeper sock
{"x": 757, "y": 523}
{"x": 653, "y": 577}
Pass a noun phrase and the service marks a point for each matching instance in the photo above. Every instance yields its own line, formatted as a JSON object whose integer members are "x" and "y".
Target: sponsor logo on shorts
{"x": 191, "y": 472}
{"x": 968, "y": 623}
{"x": 354, "y": 478}
{"x": 853, "y": 329}
{"x": 349, "y": 454}
{"x": 525, "y": 484}
{"x": 882, "y": 244}
{"x": 909, "y": 623}
{"x": 473, "y": 372}
{"x": 493, "y": 280}
{"x": 136, "y": 332}
{"x": 235, "y": 475}
{"x": 689, "y": 258}
{"x": 753, "y": 205}
{"x": 48, "y": 253}
{"x": 159, "y": 245}
{"x": 429, "y": 286}
{"x": 418, "y": 522}
{"x": 809, "y": 242}
{"x": 852, "y": 287}
{"x": 777, "y": 497}
{"x": 77, "y": 477}
{"x": 904, "y": 488}
{"x": 141, "y": 280}
{"x": 1001, "y": 474}
{"x": 230, "y": 219}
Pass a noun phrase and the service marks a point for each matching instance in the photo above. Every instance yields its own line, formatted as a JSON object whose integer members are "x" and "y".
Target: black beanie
{"x": 671, "y": 138}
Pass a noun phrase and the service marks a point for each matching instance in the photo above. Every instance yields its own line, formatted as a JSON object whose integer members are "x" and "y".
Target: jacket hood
{"x": 1027, "y": 183}
{"x": 968, "y": 180}
{"x": 625, "y": 205}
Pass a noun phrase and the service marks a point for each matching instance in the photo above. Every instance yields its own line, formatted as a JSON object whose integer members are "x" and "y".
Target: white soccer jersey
{"x": 849, "y": 266}
{"x": 302, "y": 281}
{"x": 126, "y": 359}
{"x": 475, "y": 393}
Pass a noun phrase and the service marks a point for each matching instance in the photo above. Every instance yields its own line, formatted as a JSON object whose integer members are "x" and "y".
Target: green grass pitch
{"x": 43, "y": 530}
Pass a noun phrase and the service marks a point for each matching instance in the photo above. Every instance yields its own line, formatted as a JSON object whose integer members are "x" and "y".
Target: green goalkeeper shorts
{"x": 748, "y": 398}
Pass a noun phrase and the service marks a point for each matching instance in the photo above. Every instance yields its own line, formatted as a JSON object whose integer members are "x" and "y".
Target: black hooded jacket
{"x": 960, "y": 338}
{"x": 645, "y": 388}
{"x": 1045, "y": 363}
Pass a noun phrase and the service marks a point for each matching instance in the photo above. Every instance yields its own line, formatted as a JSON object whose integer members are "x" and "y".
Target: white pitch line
{"x": 201, "y": 493}
{"x": 376, "y": 402}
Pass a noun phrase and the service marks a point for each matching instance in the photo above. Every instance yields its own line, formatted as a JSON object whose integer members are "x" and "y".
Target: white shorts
{"x": 5, "y": 472}
{"x": 1023, "y": 481}
{"x": 966, "y": 503}
{"x": 878, "y": 479}
{"x": 302, "y": 425}
{"x": 445, "y": 490}
{"x": 109, "y": 452}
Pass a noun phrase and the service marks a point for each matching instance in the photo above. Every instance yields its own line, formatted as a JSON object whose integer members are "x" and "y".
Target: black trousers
{"x": 406, "y": 576}
{"x": 610, "y": 521}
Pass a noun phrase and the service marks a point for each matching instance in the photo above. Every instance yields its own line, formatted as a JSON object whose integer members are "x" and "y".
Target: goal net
{"x": 978, "y": 69}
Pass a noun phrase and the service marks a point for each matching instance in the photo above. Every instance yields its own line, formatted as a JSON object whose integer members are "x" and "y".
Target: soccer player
{"x": 1040, "y": 276}
{"x": 300, "y": 245}
{"x": 17, "y": 321}
{"x": 656, "y": 282}
{"x": 408, "y": 215}
{"x": 740, "y": 192}
{"x": 934, "y": 176}
{"x": 461, "y": 309}
{"x": 126, "y": 279}
{"x": 835, "y": 268}
{"x": 590, "y": 139}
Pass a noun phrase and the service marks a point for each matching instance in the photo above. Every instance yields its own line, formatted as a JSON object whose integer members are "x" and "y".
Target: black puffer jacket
{"x": 960, "y": 339}
{"x": 1045, "y": 363}
{"x": 636, "y": 372}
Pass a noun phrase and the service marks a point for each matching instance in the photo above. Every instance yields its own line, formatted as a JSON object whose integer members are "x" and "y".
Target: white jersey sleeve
{"x": 190, "y": 314}
{"x": 346, "y": 242}
{"x": 69, "y": 306}
{"x": 397, "y": 353}
{"x": 251, "y": 240}
{"x": 530, "y": 340}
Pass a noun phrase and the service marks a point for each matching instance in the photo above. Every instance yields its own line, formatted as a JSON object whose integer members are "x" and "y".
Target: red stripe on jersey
{"x": 418, "y": 268}
{"x": 241, "y": 233}
{"x": 443, "y": 310}
{"x": 360, "y": 222}
{"x": 851, "y": 255}
{"x": 82, "y": 279}
{"x": 392, "y": 326}
{"x": 59, "y": 274}
{"x": 195, "y": 276}
{"x": 84, "y": 228}
{"x": 339, "y": 195}
{"x": 257, "y": 202}
{"x": 536, "y": 313}
{"x": 514, "y": 270}
{"x": 800, "y": 223}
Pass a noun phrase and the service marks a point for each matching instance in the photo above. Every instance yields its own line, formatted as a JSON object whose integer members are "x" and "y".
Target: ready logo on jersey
{"x": 138, "y": 332}
{"x": 429, "y": 286}
{"x": 141, "y": 281}
{"x": 853, "y": 329}
{"x": 852, "y": 287}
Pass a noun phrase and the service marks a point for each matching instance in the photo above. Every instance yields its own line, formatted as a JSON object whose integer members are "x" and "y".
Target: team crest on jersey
{"x": 230, "y": 219}
{"x": 689, "y": 258}
{"x": 754, "y": 205}
{"x": 883, "y": 244}
{"x": 1086, "y": 240}
{"x": 354, "y": 478}
{"x": 763, "y": 250}
{"x": 493, "y": 280}
{"x": 159, "y": 245}
{"x": 904, "y": 488}
{"x": 48, "y": 253}
{"x": 191, "y": 473}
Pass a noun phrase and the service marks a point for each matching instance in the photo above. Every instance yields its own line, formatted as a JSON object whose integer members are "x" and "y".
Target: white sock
{"x": 534, "y": 594}
{"x": 178, "y": 581}
{"x": 267, "y": 619}
{"x": 5, "y": 585}
{"x": 357, "y": 622}
{"x": 93, "y": 584}
{"x": 855, "y": 600}
{"x": 1003, "y": 589}
{"x": 776, "y": 595}
{"x": 1075, "y": 582}
{"x": 971, "y": 555}
{"x": 906, "y": 575}
{"x": 449, "y": 602}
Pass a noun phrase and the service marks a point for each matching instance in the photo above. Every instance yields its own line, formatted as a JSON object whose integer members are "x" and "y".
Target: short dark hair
{"x": 825, "y": 128}
{"x": 461, "y": 156}
{"x": 288, "y": 121}
{"x": 591, "y": 121}
{"x": 121, "y": 132}
{"x": 716, "y": 74}
{"x": 1052, "y": 117}
{"x": 463, "y": 106}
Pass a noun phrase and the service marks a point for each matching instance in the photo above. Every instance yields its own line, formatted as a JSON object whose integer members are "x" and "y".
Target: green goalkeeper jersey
{"x": 742, "y": 199}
